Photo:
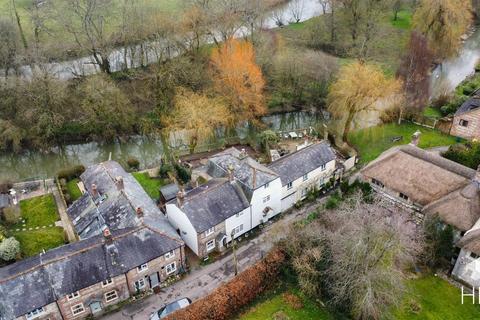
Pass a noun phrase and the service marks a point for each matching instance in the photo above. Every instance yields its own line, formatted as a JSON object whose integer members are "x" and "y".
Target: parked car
{"x": 170, "y": 308}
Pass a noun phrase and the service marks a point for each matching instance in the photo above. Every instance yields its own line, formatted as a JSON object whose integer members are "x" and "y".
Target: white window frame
{"x": 140, "y": 281}
{"x": 111, "y": 298}
{"x": 74, "y": 308}
{"x": 211, "y": 246}
{"x": 171, "y": 268}
{"x": 323, "y": 167}
{"x": 289, "y": 185}
{"x": 267, "y": 185}
{"x": 209, "y": 231}
{"x": 237, "y": 229}
{"x": 266, "y": 199}
{"x": 305, "y": 177}
{"x": 73, "y": 295}
{"x": 107, "y": 282}
{"x": 35, "y": 313}
{"x": 170, "y": 254}
{"x": 142, "y": 268}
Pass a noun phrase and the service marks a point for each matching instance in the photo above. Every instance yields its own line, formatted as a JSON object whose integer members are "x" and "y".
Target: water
{"x": 38, "y": 165}
{"x": 152, "y": 51}
{"x": 446, "y": 77}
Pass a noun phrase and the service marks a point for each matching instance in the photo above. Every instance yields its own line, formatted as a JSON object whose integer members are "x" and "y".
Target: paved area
{"x": 198, "y": 283}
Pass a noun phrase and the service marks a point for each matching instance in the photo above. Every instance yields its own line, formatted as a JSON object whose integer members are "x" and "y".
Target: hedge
{"x": 228, "y": 299}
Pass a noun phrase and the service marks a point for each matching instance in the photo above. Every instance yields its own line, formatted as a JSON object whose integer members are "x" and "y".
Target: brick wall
{"x": 202, "y": 239}
{"x": 94, "y": 293}
{"x": 51, "y": 312}
{"x": 472, "y": 130}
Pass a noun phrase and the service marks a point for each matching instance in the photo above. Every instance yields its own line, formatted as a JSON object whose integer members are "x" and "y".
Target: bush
{"x": 5, "y": 186}
{"x": 225, "y": 301}
{"x": 12, "y": 214}
{"x": 183, "y": 174}
{"x": 71, "y": 173}
{"x": 133, "y": 163}
{"x": 467, "y": 154}
{"x": 9, "y": 249}
{"x": 165, "y": 169}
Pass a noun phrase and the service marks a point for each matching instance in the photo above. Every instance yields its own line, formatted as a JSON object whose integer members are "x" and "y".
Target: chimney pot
{"x": 94, "y": 190}
{"x": 107, "y": 235}
{"x": 415, "y": 138}
{"x": 231, "y": 170}
{"x": 139, "y": 212}
{"x": 180, "y": 198}
{"x": 119, "y": 183}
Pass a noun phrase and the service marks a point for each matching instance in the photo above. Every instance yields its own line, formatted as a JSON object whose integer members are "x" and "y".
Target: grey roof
{"x": 4, "y": 200}
{"x": 247, "y": 171}
{"x": 471, "y": 104}
{"x": 40, "y": 280}
{"x": 114, "y": 207}
{"x": 169, "y": 191}
{"x": 212, "y": 203}
{"x": 297, "y": 164}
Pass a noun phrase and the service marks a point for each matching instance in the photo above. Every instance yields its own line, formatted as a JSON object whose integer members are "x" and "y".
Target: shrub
{"x": 164, "y": 170}
{"x": 225, "y": 301}
{"x": 11, "y": 214}
{"x": 467, "y": 154}
{"x": 333, "y": 201}
{"x": 133, "y": 163}
{"x": 9, "y": 249}
{"x": 5, "y": 186}
{"x": 183, "y": 174}
{"x": 292, "y": 300}
{"x": 71, "y": 173}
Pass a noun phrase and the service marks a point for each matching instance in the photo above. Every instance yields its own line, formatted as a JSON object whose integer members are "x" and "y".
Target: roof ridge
{"x": 298, "y": 151}
{"x": 155, "y": 230}
{"x": 215, "y": 186}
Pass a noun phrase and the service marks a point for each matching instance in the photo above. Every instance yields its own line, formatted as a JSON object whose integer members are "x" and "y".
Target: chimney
{"x": 254, "y": 178}
{"x": 180, "y": 198}
{"x": 107, "y": 235}
{"x": 243, "y": 154}
{"x": 231, "y": 170}
{"x": 415, "y": 138}
{"x": 139, "y": 212}
{"x": 94, "y": 190}
{"x": 119, "y": 183}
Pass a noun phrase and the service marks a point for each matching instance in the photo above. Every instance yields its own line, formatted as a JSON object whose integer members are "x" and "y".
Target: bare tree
{"x": 324, "y": 4}
{"x": 9, "y": 47}
{"x": 296, "y": 8}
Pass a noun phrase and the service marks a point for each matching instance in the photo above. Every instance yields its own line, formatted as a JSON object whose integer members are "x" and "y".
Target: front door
{"x": 154, "y": 280}
{"x": 95, "y": 307}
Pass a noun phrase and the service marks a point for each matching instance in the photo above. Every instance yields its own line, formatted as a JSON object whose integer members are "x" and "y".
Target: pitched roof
{"x": 297, "y": 164}
{"x": 115, "y": 207}
{"x": 212, "y": 203}
{"x": 246, "y": 170}
{"x": 470, "y": 241}
{"x": 169, "y": 191}
{"x": 40, "y": 280}
{"x": 471, "y": 104}
{"x": 4, "y": 200}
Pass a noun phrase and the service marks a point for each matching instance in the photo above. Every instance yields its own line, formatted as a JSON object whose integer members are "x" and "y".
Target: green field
{"x": 73, "y": 190}
{"x": 38, "y": 212}
{"x": 371, "y": 142}
{"x": 35, "y": 241}
{"x": 150, "y": 185}
{"x": 404, "y": 20}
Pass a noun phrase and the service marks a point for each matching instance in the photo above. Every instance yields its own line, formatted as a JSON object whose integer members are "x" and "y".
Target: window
{"x": 171, "y": 268}
{"x": 209, "y": 231}
{"x": 377, "y": 183}
{"x": 140, "y": 284}
{"x": 473, "y": 255}
{"x": 170, "y": 254}
{"x": 77, "y": 309}
{"x": 323, "y": 167}
{"x": 267, "y": 185}
{"x": 110, "y": 296}
{"x": 210, "y": 245}
{"x": 239, "y": 214}
{"x": 35, "y": 313}
{"x": 266, "y": 199}
{"x": 403, "y": 196}
{"x": 305, "y": 177}
{"x": 238, "y": 229}
{"x": 142, "y": 268}
{"x": 72, "y": 296}
{"x": 289, "y": 185}
{"x": 107, "y": 282}
{"x": 463, "y": 123}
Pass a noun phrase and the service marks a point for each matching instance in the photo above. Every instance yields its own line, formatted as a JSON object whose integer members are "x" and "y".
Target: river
{"x": 38, "y": 165}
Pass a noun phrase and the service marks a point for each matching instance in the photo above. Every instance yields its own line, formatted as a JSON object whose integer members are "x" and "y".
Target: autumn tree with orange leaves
{"x": 239, "y": 79}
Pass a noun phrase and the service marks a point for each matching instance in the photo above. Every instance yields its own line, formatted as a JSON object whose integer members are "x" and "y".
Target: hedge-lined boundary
{"x": 228, "y": 299}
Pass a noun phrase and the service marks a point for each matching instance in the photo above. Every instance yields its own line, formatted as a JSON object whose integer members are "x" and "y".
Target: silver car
{"x": 170, "y": 308}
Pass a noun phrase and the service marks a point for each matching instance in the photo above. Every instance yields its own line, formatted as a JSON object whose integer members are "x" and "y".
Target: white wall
{"x": 315, "y": 178}
{"x": 179, "y": 220}
{"x": 234, "y": 221}
{"x": 274, "y": 190}
{"x": 467, "y": 268}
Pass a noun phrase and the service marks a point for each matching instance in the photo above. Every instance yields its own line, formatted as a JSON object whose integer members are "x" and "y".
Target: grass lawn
{"x": 404, "y": 20}
{"x": 73, "y": 190}
{"x": 437, "y": 300}
{"x": 150, "y": 185}
{"x": 38, "y": 211}
{"x": 371, "y": 142}
{"x": 35, "y": 241}
{"x": 432, "y": 112}
{"x": 272, "y": 305}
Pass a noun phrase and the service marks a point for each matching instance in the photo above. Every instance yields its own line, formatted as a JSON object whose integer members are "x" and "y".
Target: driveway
{"x": 199, "y": 283}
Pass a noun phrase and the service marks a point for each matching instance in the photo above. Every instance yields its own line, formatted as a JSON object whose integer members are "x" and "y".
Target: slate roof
{"x": 169, "y": 191}
{"x": 297, "y": 164}
{"x": 247, "y": 171}
{"x": 41, "y": 280}
{"x": 113, "y": 206}
{"x": 4, "y": 200}
{"x": 471, "y": 104}
{"x": 212, "y": 203}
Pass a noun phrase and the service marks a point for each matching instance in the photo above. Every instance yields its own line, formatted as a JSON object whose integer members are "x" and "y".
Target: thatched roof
{"x": 470, "y": 241}
{"x": 424, "y": 177}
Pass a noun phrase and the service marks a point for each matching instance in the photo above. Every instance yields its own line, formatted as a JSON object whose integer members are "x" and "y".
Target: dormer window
{"x": 72, "y": 296}
{"x": 289, "y": 185}
{"x": 403, "y": 196}
{"x": 305, "y": 177}
{"x": 209, "y": 231}
{"x": 267, "y": 185}
{"x": 142, "y": 267}
{"x": 377, "y": 183}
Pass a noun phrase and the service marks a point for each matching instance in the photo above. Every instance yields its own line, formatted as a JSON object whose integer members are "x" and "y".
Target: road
{"x": 199, "y": 283}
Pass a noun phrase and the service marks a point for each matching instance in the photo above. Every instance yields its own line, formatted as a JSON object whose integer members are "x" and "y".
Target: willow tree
{"x": 443, "y": 22}
{"x": 237, "y": 77}
{"x": 359, "y": 88}
{"x": 198, "y": 115}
